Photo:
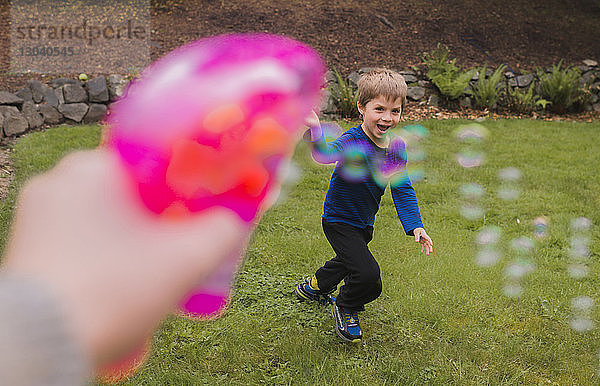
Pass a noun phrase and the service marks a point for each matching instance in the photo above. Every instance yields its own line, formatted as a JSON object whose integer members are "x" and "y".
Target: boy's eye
{"x": 379, "y": 108}
{"x": 396, "y": 111}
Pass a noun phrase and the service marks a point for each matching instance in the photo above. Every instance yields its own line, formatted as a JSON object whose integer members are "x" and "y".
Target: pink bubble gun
{"x": 209, "y": 125}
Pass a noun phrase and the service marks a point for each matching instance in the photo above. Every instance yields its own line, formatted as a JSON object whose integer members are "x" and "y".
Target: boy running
{"x": 369, "y": 157}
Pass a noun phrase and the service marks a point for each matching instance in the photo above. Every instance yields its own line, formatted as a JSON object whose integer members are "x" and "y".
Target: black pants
{"x": 353, "y": 263}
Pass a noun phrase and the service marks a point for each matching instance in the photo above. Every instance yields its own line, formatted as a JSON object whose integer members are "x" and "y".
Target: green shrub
{"x": 453, "y": 84}
{"x": 445, "y": 74}
{"x": 560, "y": 86}
{"x": 583, "y": 96}
{"x": 525, "y": 101}
{"x": 345, "y": 97}
{"x": 487, "y": 90}
{"x": 437, "y": 61}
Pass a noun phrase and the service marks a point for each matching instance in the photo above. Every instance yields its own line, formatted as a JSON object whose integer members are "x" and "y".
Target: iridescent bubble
{"x": 540, "y": 227}
{"x": 396, "y": 179}
{"x": 331, "y": 131}
{"x": 522, "y": 245}
{"x": 289, "y": 173}
{"x": 518, "y": 270}
{"x": 469, "y": 158}
{"x": 415, "y": 155}
{"x": 578, "y": 271}
{"x": 488, "y": 235}
{"x": 513, "y": 290}
{"x": 471, "y": 211}
{"x": 487, "y": 257}
{"x": 416, "y": 174}
{"x": 472, "y": 191}
{"x": 508, "y": 193}
{"x": 581, "y": 224}
{"x": 582, "y": 304}
{"x": 412, "y": 133}
{"x": 510, "y": 174}
{"x": 354, "y": 165}
{"x": 392, "y": 166}
{"x": 581, "y": 323}
{"x": 472, "y": 133}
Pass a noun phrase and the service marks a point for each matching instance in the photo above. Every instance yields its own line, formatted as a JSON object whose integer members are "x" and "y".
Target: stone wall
{"x": 61, "y": 101}
{"x": 73, "y": 101}
{"x": 424, "y": 92}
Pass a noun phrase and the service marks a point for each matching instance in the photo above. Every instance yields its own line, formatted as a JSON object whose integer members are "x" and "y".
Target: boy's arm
{"x": 407, "y": 208}
{"x": 322, "y": 151}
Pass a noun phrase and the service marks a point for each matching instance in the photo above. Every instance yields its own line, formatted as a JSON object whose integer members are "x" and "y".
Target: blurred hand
{"x": 81, "y": 230}
{"x": 424, "y": 239}
{"x": 314, "y": 125}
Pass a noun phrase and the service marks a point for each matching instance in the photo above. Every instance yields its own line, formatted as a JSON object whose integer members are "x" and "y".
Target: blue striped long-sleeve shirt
{"x": 361, "y": 176}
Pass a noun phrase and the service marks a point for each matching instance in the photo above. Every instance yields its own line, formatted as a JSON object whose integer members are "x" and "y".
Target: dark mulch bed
{"x": 359, "y": 33}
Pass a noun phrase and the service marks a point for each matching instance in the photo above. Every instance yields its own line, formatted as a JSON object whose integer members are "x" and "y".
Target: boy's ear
{"x": 359, "y": 107}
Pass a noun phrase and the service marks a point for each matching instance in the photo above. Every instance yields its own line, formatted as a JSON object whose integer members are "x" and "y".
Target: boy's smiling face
{"x": 379, "y": 116}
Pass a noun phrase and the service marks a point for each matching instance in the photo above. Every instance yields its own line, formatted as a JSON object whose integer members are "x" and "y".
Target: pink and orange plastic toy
{"x": 209, "y": 125}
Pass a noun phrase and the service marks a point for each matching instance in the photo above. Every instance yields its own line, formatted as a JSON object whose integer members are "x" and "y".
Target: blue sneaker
{"x": 347, "y": 325}
{"x": 305, "y": 291}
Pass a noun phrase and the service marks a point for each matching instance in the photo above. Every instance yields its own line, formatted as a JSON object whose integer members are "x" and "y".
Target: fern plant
{"x": 437, "y": 61}
{"x": 525, "y": 102}
{"x": 487, "y": 91}
{"x": 453, "y": 84}
{"x": 345, "y": 97}
{"x": 560, "y": 86}
{"x": 445, "y": 74}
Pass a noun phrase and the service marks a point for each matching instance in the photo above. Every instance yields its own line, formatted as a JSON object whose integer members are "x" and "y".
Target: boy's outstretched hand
{"x": 422, "y": 237}
{"x": 314, "y": 126}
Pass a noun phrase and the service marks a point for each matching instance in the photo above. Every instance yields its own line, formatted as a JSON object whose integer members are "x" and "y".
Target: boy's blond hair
{"x": 384, "y": 82}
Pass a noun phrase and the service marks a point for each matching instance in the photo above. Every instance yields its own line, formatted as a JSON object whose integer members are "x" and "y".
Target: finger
{"x": 417, "y": 236}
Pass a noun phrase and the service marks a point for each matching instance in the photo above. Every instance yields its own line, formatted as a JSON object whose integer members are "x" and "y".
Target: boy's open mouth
{"x": 383, "y": 128}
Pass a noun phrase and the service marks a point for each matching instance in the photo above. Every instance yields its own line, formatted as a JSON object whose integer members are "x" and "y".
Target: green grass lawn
{"x": 441, "y": 319}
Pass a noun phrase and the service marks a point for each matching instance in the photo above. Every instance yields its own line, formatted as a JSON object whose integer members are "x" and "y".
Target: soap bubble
{"x": 508, "y": 193}
{"x": 518, "y": 270}
{"x": 416, "y": 174}
{"x": 540, "y": 227}
{"x": 581, "y": 224}
{"x": 472, "y": 191}
{"x": 471, "y": 133}
{"x": 510, "y": 174}
{"x": 415, "y": 155}
{"x": 581, "y": 323}
{"x": 582, "y": 304}
{"x": 522, "y": 245}
{"x": 331, "y": 131}
{"x": 469, "y": 158}
{"x": 354, "y": 166}
{"x": 472, "y": 212}
{"x": 488, "y": 235}
{"x": 578, "y": 271}
{"x": 487, "y": 257}
{"x": 513, "y": 290}
{"x": 289, "y": 173}
{"x": 413, "y": 133}
{"x": 579, "y": 248}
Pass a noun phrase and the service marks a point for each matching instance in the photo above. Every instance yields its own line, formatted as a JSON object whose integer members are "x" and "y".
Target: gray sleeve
{"x": 35, "y": 346}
